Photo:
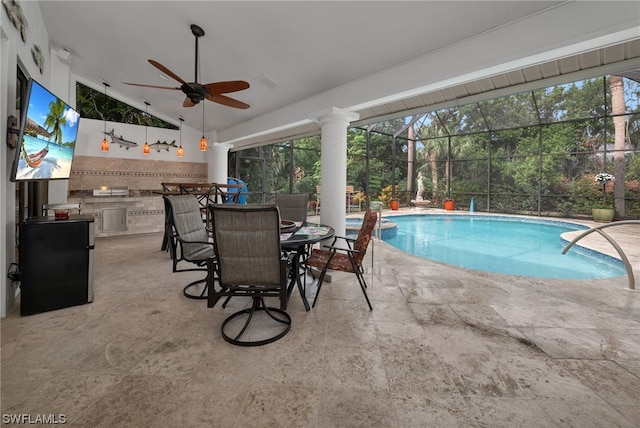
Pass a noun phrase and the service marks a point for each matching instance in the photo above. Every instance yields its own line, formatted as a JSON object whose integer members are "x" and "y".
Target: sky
{"x": 38, "y": 110}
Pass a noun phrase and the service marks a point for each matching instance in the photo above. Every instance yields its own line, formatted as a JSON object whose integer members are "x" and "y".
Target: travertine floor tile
{"x": 357, "y": 408}
{"x": 271, "y": 405}
{"x": 443, "y": 347}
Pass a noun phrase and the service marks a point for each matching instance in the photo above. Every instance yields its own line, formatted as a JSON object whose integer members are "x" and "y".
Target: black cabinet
{"x": 56, "y": 263}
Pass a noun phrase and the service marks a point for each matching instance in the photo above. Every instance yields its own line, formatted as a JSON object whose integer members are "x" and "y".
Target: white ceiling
{"x": 358, "y": 55}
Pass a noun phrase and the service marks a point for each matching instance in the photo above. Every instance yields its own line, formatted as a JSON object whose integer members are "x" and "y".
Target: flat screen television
{"x": 47, "y": 137}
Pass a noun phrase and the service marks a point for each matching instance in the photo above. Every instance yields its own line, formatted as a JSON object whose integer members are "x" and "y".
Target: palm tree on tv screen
{"x": 56, "y": 120}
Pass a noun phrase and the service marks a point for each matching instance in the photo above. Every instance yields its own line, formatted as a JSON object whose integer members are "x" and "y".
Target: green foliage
{"x": 92, "y": 104}
{"x": 387, "y": 193}
{"x": 381, "y": 150}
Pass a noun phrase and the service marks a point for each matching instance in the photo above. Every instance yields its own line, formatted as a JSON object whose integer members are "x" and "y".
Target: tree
{"x": 433, "y": 150}
{"x": 411, "y": 153}
{"x": 618, "y": 109}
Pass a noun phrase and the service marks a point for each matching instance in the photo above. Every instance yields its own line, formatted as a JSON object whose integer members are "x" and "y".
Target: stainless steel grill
{"x": 113, "y": 191}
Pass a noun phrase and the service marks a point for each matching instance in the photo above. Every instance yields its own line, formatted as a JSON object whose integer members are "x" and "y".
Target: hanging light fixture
{"x": 145, "y": 148}
{"x": 105, "y": 144}
{"x": 203, "y": 141}
{"x": 180, "y": 149}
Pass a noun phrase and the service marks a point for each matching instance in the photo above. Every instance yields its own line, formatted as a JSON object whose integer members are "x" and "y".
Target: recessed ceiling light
{"x": 163, "y": 77}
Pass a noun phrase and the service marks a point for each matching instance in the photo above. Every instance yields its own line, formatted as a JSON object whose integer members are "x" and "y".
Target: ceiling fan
{"x": 197, "y": 92}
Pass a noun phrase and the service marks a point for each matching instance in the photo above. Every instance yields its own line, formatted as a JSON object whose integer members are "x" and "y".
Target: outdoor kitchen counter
{"x": 123, "y": 215}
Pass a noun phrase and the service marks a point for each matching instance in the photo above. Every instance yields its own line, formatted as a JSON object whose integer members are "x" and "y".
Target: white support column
{"x": 334, "y": 123}
{"x": 218, "y": 167}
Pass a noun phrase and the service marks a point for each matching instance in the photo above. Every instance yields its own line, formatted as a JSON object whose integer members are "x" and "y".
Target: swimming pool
{"x": 501, "y": 244}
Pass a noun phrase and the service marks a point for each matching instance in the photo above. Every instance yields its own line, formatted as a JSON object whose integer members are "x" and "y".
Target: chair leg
{"x": 320, "y": 279}
{"x": 174, "y": 255}
{"x": 211, "y": 296}
{"x": 199, "y": 296}
{"x": 359, "y": 274}
{"x": 204, "y": 293}
{"x": 258, "y": 304}
{"x": 363, "y": 285}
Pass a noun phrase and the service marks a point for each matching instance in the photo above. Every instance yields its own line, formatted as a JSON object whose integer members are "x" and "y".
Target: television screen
{"x": 47, "y": 138}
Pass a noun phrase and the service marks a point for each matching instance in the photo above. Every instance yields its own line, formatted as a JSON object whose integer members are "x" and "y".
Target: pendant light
{"x": 105, "y": 144}
{"x": 203, "y": 141}
{"x": 145, "y": 148}
{"x": 180, "y": 149}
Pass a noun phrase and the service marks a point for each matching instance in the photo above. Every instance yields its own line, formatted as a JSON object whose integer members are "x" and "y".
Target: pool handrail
{"x": 625, "y": 260}
{"x": 377, "y": 205}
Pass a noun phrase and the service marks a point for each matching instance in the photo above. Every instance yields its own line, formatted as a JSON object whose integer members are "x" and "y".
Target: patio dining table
{"x": 207, "y": 193}
{"x": 297, "y": 241}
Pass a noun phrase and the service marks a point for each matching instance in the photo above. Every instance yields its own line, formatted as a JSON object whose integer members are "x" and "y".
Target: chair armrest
{"x": 342, "y": 237}
{"x": 184, "y": 241}
{"x": 349, "y": 241}
{"x": 348, "y": 250}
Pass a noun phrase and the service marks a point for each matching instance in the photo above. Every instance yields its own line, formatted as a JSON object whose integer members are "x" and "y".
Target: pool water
{"x": 501, "y": 244}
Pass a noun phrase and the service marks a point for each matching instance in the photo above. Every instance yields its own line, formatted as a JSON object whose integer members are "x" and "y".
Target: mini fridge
{"x": 56, "y": 263}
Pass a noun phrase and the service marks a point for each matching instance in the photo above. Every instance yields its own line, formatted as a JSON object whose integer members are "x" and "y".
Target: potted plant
{"x": 386, "y": 196}
{"x": 603, "y": 212}
{"x": 449, "y": 204}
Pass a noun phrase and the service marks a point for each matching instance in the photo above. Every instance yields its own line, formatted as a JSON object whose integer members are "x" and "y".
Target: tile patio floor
{"x": 443, "y": 347}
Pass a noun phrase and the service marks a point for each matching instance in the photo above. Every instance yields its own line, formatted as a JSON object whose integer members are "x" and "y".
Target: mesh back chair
{"x": 346, "y": 259}
{"x": 249, "y": 263}
{"x": 188, "y": 240}
{"x": 293, "y": 206}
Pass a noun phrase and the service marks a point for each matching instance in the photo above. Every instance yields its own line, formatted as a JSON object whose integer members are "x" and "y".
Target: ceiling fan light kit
{"x": 105, "y": 144}
{"x": 146, "y": 149}
{"x": 203, "y": 141}
{"x": 180, "y": 149}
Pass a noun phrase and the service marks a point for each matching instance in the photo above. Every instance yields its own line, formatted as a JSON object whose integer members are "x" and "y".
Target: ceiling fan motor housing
{"x": 195, "y": 92}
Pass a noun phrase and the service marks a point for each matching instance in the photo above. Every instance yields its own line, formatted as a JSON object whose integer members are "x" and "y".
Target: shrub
{"x": 387, "y": 192}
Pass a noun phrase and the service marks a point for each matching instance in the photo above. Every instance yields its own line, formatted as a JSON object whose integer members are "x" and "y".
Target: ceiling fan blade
{"x": 168, "y": 72}
{"x": 227, "y": 101}
{"x": 225, "y": 87}
{"x": 188, "y": 103}
{"x": 151, "y": 86}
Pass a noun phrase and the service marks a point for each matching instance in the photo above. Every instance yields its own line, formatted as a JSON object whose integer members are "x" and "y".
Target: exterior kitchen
{"x": 122, "y": 195}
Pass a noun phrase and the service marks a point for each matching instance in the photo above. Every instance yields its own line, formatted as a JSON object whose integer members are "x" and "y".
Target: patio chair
{"x": 293, "y": 206}
{"x": 345, "y": 259}
{"x": 188, "y": 240}
{"x": 351, "y": 200}
{"x": 249, "y": 263}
